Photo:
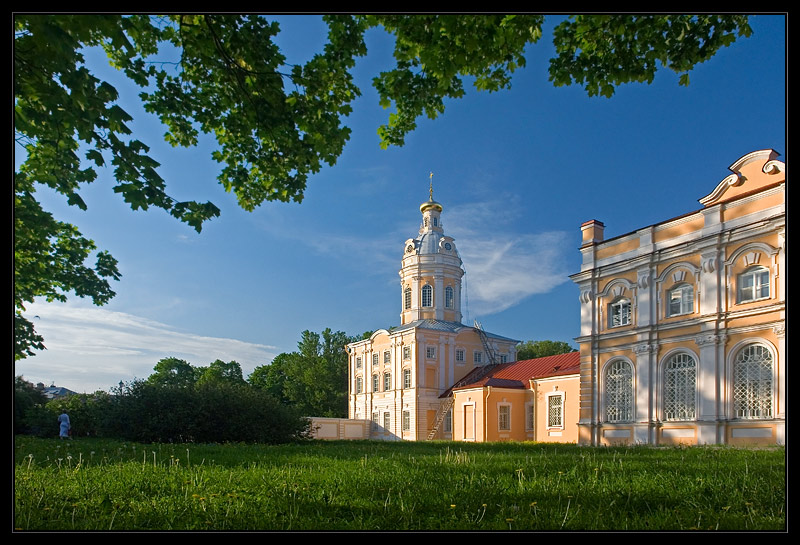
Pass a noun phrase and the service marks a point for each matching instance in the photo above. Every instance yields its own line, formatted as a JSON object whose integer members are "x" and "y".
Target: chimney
{"x": 592, "y": 232}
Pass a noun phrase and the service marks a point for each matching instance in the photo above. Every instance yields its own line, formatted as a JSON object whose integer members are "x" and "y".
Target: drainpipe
{"x": 486, "y": 413}
{"x": 532, "y": 385}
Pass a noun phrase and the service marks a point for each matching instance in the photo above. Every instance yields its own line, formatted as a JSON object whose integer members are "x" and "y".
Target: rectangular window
{"x": 448, "y": 422}
{"x": 406, "y": 420}
{"x": 477, "y": 357}
{"x": 376, "y": 420}
{"x": 681, "y": 300}
{"x": 504, "y": 417}
{"x": 376, "y": 383}
{"x": 406, "y": 352}
{"x": 555, "y": 411}
{"x": 387, "y": 382}
{"x": 406, "y": 378}
{"x": 358, "y": 362}
{"x": 387, "y": 357}
{"x": 460, "y": 355}
{"x": 619, "y": 313}
{"x": 503, "y": 358}
{"x": 430, "y": 352}
{"x": 375, "y": 359}
{"x": 387, "y": 420}
{"x": 359, "y": 385}
{"x": 529, "y": 416}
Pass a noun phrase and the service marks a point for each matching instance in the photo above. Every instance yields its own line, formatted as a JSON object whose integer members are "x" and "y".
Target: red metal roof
{"x": 517, "y": 373}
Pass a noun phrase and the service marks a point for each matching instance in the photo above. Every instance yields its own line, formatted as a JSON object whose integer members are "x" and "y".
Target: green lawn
{"x": 92, "y": 484}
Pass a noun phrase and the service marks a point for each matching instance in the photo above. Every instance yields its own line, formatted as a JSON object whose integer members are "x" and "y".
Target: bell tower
{"x": 430, "y": 273}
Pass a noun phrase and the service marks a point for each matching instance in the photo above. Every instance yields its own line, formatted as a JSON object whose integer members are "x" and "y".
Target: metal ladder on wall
{"x": 485, "y": 369}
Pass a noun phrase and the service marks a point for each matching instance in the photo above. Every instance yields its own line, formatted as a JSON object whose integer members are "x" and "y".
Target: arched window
{"x": 619, "y": 313}
{"x": 753, "y": 284}
{"x": 752, "y": 382}
{"x": 680, "y": 379}
{"x": 427, "y": 296}
{"x": 407, "y": 298}
{"x": 619, "y": 392}
{"x": 680, "y": 300}
{"x": 448, "y": 297}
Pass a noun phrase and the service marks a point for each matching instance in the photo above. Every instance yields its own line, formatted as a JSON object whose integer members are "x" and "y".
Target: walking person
{"x": 63, "y": 426}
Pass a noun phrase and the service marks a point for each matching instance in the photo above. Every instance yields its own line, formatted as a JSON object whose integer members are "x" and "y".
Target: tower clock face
{"x": 409, "y": 248}
{"x": 448, "y": 246}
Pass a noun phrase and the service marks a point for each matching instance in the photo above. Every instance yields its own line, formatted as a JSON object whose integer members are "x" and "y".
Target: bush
{"x": 211, "y": 412}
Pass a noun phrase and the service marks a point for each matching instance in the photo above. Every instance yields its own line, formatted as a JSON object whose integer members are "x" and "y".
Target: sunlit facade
{"x": 683, "y": 323}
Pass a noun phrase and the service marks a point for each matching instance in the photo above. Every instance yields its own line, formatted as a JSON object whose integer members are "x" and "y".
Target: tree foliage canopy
{"x": 313, "y": 379}
{"x": 539, "y": 349}
{"x": 275, "y": 123}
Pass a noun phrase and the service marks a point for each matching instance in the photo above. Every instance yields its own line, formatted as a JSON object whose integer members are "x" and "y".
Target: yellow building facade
{"x": 528, "y": 400}
{"x": 396, "y": 376}
{"x": 682, "y": 334}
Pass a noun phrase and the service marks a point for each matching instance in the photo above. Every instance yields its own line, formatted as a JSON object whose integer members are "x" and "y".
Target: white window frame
{"x": 460, "y": 355}
{"x": 374, "y": 358}
{"x": 619, "y": 313}
{"x": 430, "y": 352}
{"x": 406, "y": 420}
{"x": 387, "y": 420}
{"x": 503, "y": 358}
{"x": 358, "y": 362}
{"x": 387, "y": 382}
{"x": 376, "y": 382}
{"x": 407, "y": 379}
{"x": 448, "y": 421}
{"x": 376, "y": 420}
{"x": 680, "y": 387}
{"x": 504, "y": 417}
{"x": 449, "y": 297}
{"x": 760, "y": 279}
{"x": 406, "y": 352}
{"x": 387, "y": 357}
{"x": 427, "y": 296}
{"x": 477, "y": 356}
{"x": 683, "y": 295}
{"x": 359, "y": 385}
{"x": 555, "y": 420}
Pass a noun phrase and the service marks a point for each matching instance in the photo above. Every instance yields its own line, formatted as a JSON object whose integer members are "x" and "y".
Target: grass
{"x": 90, "y": 484}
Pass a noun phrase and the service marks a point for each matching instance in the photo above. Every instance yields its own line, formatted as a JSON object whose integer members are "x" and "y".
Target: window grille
{"x": 407, "y": 298}
{"x": 460, "y": 354}
{"x": 555, "y": 411}
{"x": 752, "y": 383}
{"x": 406, "y": 352}
{"x": 448, "y": 297}
{"x": 375, "y": 383}
{"x": 406, "y": 378}
{"x": 680, "y": 379}
{"x": 427, "y": 296}
{"x": 504, "y": 418}
{"x": 387, "y": 382}
{"x": 619, "y": 392}
{"x": 406, "y": 420}
{"x": 387, "y": 357}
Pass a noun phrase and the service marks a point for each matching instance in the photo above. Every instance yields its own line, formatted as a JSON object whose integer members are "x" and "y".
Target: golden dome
{"x": 430, "y": 204}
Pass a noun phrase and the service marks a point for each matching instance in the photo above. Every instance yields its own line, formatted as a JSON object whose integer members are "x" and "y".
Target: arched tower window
{"x": 407, "y": 298}
{"x": 449, "y": 299}
{"x": 680, "y": 379}
{"x": 427, "y": 295}
{"x": 752, "y": 382}
{"x": 619, "y": 392}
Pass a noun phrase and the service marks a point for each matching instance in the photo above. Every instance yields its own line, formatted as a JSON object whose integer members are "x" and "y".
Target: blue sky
{"x": 517, "y": 172}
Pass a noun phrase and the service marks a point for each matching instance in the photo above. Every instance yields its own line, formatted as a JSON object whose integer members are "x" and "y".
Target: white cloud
{"x": 90, "y": 348}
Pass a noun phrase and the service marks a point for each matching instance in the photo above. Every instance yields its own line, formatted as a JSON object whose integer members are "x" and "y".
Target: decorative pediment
{"x": 747, "y": 176}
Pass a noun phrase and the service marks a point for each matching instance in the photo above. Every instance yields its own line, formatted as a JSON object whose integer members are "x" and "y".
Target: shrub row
{"x": 144, "y": 412}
